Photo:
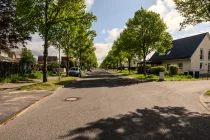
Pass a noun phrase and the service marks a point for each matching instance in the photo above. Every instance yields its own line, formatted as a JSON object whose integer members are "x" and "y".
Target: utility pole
{"x": 59, "y": 74}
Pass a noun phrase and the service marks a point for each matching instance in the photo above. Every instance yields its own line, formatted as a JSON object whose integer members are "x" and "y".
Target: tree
{"x": 84, "y": 44}
{"x": 46, "y": 14}
{"x": 64, "y": 39}
{"x": 127, "y": 40}
{"x": 12, "y": 34}
{"x": 194, "y": 11}
{"x": 149, "y": 33}
{"x": 27, "y": 59}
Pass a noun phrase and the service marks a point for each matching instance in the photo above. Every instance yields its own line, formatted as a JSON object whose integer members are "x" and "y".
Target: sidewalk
{"x": 8, "y": 86}
{"x": 13, "y": 103}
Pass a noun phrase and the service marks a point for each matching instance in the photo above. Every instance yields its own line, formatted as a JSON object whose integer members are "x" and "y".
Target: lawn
{"x": 25, "y": 77}
{"x": 49, "y": 86}
{"x": 207, "y": 93}
{"x": 14, "y": 78}
{"x": 155, "y": 77}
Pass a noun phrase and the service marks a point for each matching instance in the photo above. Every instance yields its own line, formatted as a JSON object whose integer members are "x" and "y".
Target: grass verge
{"x": 207, "y": 93}
{"x": 49, "y": 86}
{"x": 25, "y": 77}
{"x": 152, "y": 77}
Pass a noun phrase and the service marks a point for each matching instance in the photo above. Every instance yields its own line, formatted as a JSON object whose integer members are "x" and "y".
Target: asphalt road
{"x": 113, "y": 108}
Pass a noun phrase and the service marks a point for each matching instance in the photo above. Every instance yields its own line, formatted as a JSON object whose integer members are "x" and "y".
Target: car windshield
{"x": 75, "y": 69}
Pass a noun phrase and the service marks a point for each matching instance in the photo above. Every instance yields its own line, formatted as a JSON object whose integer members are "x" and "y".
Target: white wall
{"x": 4, "y": 54}
{"x": 126, "y": 64}
{"x": 195, "y": 59}
{"x": 186, "y": 64}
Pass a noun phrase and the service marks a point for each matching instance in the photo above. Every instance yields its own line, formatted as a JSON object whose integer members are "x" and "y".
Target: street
{"x": 110, "y": 107}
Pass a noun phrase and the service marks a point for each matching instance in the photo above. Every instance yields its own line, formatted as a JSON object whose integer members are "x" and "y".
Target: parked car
{"x": 74, "y": 71}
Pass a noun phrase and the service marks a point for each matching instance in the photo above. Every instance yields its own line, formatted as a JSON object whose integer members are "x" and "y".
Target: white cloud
{"x": 102, "y": 50}
{"x": 112, "y": 34}
{"x": 159, "y": 7}
{"x": 89, "y": 4}
{"x": 166, "y": 9}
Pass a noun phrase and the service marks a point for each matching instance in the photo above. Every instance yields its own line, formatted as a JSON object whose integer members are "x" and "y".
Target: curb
{"x": 31, "y": 105}
{"x": 202, "y": 102}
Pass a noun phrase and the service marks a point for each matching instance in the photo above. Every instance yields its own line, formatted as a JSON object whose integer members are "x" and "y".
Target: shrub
{"x": 156, "y": 70}
{"x": 173, "y": 70}
{"x": 52, "y": 65}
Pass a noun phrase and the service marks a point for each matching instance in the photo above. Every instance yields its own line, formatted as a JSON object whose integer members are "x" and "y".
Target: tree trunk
{"x": 144, "y": 65}
{"x": 80, "y": 59}
{"x": 129, "y": 64}
{"x": 45, "y": 44}
{"x": 120, "y": 65}
{"x": 75, "y": 62}
{"x": 117, "y": 65}
{"x": 67, "y": 65}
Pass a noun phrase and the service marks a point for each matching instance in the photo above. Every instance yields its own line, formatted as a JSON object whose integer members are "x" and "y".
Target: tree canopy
{"x": 194, "y": 11}
{"x": 45, "y": 16}
{"x": 12, "y": 32}
{"x": 146, "y": 32}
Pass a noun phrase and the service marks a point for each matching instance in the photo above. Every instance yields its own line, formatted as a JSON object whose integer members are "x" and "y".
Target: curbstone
{"x": 201, "y": 100}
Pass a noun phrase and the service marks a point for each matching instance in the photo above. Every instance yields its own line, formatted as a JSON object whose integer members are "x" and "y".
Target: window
{"x": 180, "y": 65}
{"x": 168, "y": 52}
{"x": 209, "y": 55}
{"x": 201, "y": 54}
{"x": 201, "y": 66}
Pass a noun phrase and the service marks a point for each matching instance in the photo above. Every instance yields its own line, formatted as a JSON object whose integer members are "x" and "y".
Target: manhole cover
{"x": 71, "y": 99}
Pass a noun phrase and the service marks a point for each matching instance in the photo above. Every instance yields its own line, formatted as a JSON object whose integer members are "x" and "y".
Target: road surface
{"x": 113, "y": 108}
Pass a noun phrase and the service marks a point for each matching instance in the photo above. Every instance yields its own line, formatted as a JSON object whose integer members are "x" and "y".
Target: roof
{"x": 182, "y": 48}
{"x": 6, "y": 59}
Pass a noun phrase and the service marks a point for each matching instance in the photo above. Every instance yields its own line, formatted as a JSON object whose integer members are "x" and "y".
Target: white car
{"x": 74, "y": 71}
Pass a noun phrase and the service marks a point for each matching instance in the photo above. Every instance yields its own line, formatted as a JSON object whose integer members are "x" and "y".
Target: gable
{"x": 182, "y": 48}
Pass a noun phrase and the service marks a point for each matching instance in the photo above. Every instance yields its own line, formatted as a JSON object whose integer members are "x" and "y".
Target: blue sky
{"x": 112, "y": 16}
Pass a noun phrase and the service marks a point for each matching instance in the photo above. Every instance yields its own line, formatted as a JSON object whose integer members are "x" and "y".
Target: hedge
{"x": 157, "y": 69}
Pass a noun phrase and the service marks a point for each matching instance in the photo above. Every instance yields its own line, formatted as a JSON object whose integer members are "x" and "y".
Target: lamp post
{"x": 59, "y": 74}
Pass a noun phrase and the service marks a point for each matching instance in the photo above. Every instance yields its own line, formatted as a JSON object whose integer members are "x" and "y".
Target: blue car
{"x": 74, "y": 71}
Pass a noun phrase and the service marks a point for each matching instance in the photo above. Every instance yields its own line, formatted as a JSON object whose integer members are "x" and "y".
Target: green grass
{"x": 49, "y": 86}
{"x": 207, "y": 93}
{"x": 25, "y": 77}
{"x": 155, "y": 77}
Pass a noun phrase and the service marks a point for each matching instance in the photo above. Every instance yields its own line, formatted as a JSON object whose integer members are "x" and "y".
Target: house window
{"x": 201, "y": 66}
{"x": 180, "y": 65}
{"x": 209, "y": 55}
{"x": 201, "y": 54}
{"x": 168, "y": 52}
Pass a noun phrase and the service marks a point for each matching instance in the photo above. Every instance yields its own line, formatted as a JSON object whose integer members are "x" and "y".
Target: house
{"x": 189, "y": 54}
{"x": 133, "y": 63}
{"x": 49, "y": 59}
{"x": 7, "y": 56}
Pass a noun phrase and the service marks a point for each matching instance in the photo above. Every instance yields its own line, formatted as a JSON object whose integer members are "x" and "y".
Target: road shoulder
{"x": 12, "y": 104}
{"x": 205, "y": 101}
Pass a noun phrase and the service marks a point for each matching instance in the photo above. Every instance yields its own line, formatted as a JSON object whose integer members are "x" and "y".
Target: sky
{"x": 112, "y": 16}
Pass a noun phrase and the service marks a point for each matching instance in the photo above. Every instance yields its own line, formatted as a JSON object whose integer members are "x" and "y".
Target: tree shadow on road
{"x": 103, "y": 82}
{"x": 158, "y": 123}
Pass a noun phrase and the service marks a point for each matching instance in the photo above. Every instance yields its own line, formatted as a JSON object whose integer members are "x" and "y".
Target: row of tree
{"x": 144, "y": 33}
{"x": 61, "y": 23}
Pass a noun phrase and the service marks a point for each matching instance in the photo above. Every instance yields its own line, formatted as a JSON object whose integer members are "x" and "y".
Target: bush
{"x": 173, "y": 70}
{"x": 52, "y": 65}
{"x": 156, "y": 70}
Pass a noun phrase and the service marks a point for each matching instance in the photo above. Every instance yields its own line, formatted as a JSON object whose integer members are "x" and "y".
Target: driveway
{"x": 114, "y": 108}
